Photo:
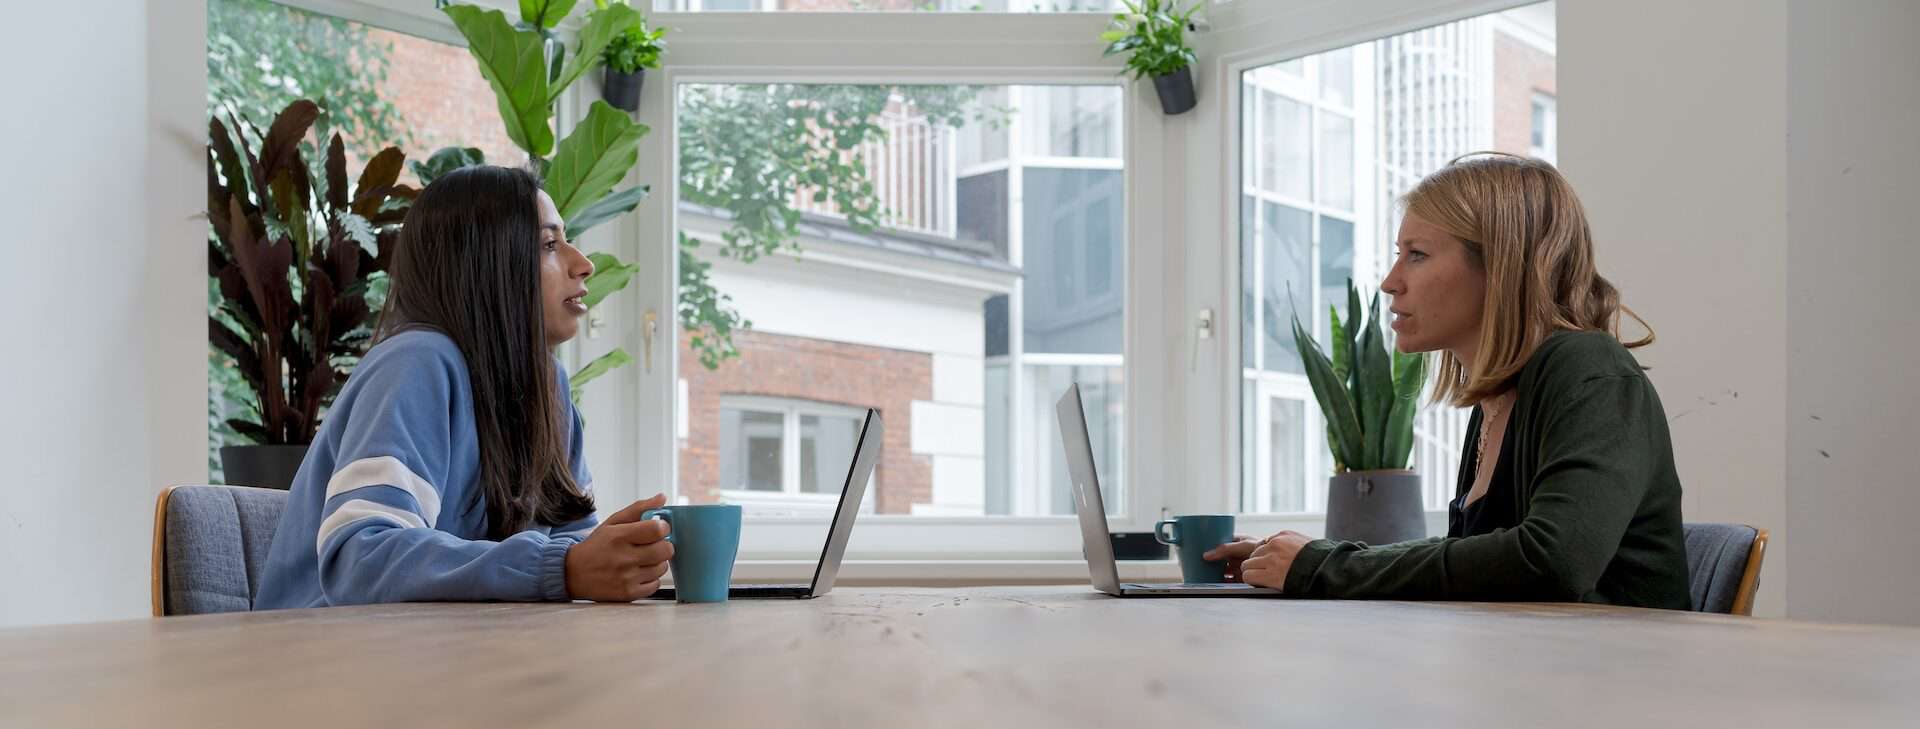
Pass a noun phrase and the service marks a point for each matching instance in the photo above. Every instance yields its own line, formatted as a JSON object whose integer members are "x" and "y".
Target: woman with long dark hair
{"x": 450, "y": 466}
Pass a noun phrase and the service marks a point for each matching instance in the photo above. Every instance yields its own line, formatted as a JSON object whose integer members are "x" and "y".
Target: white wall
{"x": 1747, "y": 165}
{"x": 103, "y": 277}
{"x": 1677, "y": 145}
{"x": 1853, "y": 153}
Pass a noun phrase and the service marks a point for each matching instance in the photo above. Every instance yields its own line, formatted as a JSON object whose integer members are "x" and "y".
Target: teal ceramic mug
{"x": 706, "y": 539}
{"x": 1195, "y": 535}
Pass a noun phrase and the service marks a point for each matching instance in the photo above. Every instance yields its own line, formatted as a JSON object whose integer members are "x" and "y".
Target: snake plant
{"x": 1368, "y": 394}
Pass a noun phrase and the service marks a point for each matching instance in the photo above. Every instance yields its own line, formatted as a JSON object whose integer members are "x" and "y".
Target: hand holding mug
{"x": 623, "y": 559}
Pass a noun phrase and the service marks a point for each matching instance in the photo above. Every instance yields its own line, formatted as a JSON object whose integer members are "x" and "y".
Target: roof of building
{"x": 836, "y": 229}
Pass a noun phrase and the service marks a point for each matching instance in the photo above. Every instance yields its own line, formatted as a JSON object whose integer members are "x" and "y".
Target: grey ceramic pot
{"x": 1376, "y": 507}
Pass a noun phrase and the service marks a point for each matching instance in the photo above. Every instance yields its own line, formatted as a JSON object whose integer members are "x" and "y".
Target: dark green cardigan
{"x": 1598, "y": 497}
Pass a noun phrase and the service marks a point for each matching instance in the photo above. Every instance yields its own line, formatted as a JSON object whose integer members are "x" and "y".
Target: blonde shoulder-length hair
{"x": 1527, "y": 231}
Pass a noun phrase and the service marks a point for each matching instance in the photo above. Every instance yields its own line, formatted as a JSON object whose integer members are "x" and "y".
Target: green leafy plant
{"x": 1153, "y": 32}
{"x": 1368, "y": 395}
{"x": 293, "y": 259}
{"x": 634, "y": 48}
{"x": 528, "y": 67}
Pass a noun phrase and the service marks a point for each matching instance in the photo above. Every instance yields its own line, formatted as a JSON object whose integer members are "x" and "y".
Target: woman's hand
{"x": 1233, "y": 553}
{"x": 1268, "y": 564}
{"x": 623, "y": 559}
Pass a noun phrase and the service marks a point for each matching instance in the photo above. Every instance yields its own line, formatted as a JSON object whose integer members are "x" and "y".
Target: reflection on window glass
{"x": 1336, "y": 161}
{"x": 1336, "y": 77}
{"x": 1331, "y": 142}
{"x": 826, "y": 447}
{"x": 1336, "y": 268}
{"x": 1287, "y": 246}
{"x": 955, "y": 263}
{"x": 1062, "y": 245}
{"x": 1071, "y": 320}
{"x": 1286, "y": 449}
{"x": 1099, "y": 227}
{"x": 1287, "y": 147}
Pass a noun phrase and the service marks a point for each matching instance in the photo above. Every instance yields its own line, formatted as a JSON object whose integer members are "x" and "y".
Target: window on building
{"x": 1329, "y": 144}
{"x": 780, "y": 446}
{"x": 1544, "y": 140}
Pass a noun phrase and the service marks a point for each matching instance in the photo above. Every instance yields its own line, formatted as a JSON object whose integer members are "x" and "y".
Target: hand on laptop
{"x": 1233, "y": 553}
{"x": 623, "y": 559}
{"x": 1267, "y": 566}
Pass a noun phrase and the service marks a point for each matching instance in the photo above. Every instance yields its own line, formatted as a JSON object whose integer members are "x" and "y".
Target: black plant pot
{"x": 1176, "y": 91}
{"x": 622, "y": 90}
{"x": 263, "y": 466}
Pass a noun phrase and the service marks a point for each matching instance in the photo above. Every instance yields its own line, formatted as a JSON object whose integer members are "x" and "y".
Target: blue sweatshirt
{"x": 388, "y": 505}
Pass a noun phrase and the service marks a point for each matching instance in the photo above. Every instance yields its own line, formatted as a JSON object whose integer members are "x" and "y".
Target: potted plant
{"x": 1369, "y": 398}
{"x": 1154, "y": 33}
{"x": 293, "y": 259}
{"x": 627, "y": 59}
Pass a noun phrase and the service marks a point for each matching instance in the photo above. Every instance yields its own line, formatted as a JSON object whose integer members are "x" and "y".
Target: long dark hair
{"x": 468, "y": 266}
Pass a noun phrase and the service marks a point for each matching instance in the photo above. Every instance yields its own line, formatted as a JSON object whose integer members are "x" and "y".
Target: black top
{"x": 1584, "y": 504}
{"x": 1486, "y": 513}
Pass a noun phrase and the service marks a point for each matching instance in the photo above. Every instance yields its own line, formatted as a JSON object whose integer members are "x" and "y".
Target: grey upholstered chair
{"x": 1723, "y": 566}
{"x": 209, "y": 547}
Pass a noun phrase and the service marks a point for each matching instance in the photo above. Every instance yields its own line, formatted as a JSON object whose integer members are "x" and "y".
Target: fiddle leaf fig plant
{"x": 528, "y": 67}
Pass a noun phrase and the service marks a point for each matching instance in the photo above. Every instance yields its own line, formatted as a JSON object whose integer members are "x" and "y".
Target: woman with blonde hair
{"x": 1567, "y": 489}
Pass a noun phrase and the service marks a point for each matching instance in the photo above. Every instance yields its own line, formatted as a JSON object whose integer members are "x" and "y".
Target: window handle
{"x": 649, "y": 324}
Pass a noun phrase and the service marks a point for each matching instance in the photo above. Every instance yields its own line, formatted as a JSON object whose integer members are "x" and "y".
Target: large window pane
{"x": 957, "y": 263}
{"x": 1332, "y": 142}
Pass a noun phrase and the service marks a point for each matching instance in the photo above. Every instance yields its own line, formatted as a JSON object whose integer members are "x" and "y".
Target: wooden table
{"x": 981, "y": 657}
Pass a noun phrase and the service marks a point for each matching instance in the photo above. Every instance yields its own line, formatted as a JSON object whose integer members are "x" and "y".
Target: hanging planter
{"x": 622, "y": 90}
{"x": 627, "y": 58}
{"x": 1153, "y": 35}
{"x": 1176, "y": 91}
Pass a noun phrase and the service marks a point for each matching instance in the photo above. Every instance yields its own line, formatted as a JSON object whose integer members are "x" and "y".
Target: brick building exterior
{"x": 1521, "y": 70}
{"x": 442, "y": 99}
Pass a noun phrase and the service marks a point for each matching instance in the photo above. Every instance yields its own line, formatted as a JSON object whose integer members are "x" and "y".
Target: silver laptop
{"x": 1096, "y": 545}
{"x": 865, "y": 455}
